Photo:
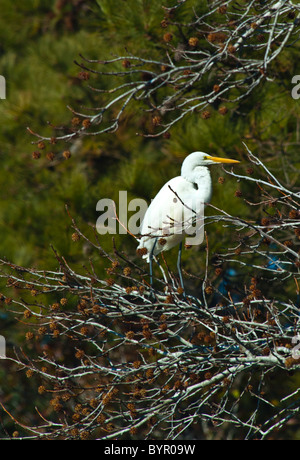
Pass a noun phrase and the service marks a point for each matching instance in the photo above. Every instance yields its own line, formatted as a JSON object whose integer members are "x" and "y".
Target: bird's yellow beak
{"x": 222, "y": 160}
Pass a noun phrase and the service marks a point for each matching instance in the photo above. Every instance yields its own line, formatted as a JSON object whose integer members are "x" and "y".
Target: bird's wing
{"x": 172, "y": 215}
{"x": 190, "y": 196}
{"x": 165, "y": 211}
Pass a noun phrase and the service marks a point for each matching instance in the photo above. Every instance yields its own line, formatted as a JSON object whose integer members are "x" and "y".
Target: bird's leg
{"x": 179, "y": 266}
{"x": 151, "y": 260}
{"x": 161, "y": 269}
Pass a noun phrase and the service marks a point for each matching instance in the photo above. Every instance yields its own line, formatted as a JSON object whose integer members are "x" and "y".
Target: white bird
{"x": 177, "y": 210}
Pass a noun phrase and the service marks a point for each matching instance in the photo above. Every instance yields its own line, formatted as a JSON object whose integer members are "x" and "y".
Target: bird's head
{"x": 204, "y": 159}
{"x": 196, "y": 159}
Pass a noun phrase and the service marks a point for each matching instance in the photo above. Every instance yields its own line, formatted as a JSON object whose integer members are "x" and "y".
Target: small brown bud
{"x": 293, "y": 214}
{"x": 169, "y": 299}
{"x": 110, "y": 281}
{"x": 29, "y": 373}
{"x": 266, "y": 351}
{"x": 216, "y": 37}
{"x": 193, "y": 41}
{"x": 76, "y": 417}
{"x": 222, "y": 9}
{"x": 86, "y": 123}
{"x": 164, "y": 23}
{"x": 256, "y": 293}
{"x": 133, "y": 430}
{"x": 223, "y": 110}
{"x": 127, "y": 271}
{"x": 142, "y": 251}
{"x": 56, "y": 333}
{"x": 42, "y": 330}
{"x": 83, "y": 75}
{"x": 79, "y": 354}
{"x": 156, "y": 121}
{"x": 126, "y": 63}
{"x": 55, "y": 307}
{"x": 67, "y": 154}
{"x": 289, "y": 362}
{"x": 41, "y": 145}
{"x": 50, "y": 156}
{"x": 205, "y": 114}
{"x": 36, "y": 155}
{"x": 209, "y": 290}
{"x": 84, "y": 330}
{"x": 75, "y": 237}
{"x": 115, "y": 264}
{"x": 130, "y": 335}
{"x": 147, "y": 333}
{"x": 149, "y": 373}
{"x": 265, "y": 221}
{"x": 75, "y": 121}
{"x": 29, "y": 335}
{"x": 168, "y": 37}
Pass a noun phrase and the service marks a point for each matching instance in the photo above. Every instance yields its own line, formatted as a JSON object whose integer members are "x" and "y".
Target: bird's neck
{"x": 201, "y": 176}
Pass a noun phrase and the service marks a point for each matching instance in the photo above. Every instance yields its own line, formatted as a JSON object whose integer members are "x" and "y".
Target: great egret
{"x": 177, "y": 209}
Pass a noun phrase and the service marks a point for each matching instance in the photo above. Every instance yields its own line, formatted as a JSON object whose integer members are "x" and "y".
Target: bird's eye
{"x": 205, "y": 158}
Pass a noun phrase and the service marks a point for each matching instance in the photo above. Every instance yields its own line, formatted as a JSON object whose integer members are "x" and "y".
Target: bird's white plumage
{"x": 171, "y": 211}
{"x": 178, "y": 205}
